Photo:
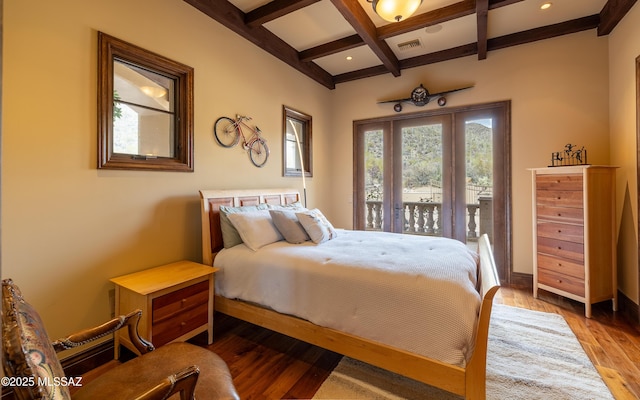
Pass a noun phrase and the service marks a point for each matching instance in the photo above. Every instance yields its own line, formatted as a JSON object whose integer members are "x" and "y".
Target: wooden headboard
{"x": 211, "y": 200}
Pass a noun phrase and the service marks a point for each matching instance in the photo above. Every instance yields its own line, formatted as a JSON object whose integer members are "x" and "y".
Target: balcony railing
{"x": 423, "y": 218}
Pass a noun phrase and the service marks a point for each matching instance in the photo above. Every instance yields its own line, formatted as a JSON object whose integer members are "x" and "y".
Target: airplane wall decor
{"x": 420, "y": 96}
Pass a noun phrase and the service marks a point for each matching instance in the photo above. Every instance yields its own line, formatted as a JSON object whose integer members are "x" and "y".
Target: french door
{"x": 440, "y": 173}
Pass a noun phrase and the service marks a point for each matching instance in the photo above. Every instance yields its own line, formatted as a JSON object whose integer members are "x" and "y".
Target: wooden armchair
{"x": 30, "y": 362}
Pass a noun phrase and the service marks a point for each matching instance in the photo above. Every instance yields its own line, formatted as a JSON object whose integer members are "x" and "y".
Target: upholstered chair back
{"x": 29, "y": 358}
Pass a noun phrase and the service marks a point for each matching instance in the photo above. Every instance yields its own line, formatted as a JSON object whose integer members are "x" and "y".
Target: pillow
{"x": 291, "y": 206}
{"x": 287, "y": 223}
{"x": 317, "y": 226}
{"x": 28, "y": 352}
{"x": 230, "y": 236}
{"x": 255, "y": 228}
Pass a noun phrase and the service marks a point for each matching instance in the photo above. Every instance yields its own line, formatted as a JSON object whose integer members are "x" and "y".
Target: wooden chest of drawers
{"x": 574, "y": 233}
{"x": 176, "y": 302}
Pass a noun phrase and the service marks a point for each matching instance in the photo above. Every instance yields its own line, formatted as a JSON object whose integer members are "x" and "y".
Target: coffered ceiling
{"x": 335, "y": 41}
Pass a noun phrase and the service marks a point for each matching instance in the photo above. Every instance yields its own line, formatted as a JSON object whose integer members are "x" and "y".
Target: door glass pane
{"x": 373, "y": 178}
{"x": 422, "y": 179}
{"x": 479, "y": 178}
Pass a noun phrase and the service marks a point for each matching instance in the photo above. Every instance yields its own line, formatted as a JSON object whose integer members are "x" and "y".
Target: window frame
{"x": 111, "y": 49}
{"x": 306, "y": 139}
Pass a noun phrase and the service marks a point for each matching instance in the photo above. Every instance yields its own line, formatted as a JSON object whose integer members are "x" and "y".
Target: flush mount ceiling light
{"x": 395, "y": 10}
{"x": 153, "y": 91}
{"x": 545, "y": 6}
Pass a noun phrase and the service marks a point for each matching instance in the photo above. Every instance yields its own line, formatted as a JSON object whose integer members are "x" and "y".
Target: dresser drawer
{"x": 561, "y": 281}
{"x": 177, "y": 302}
{"x": 570, "y": 182}
{"x": 180, "y": 324}
{"x": 561, "y": 248}
{"x": 560, "y": 214}
{"x": 561, "y": 265}
{"x": 567, "y": 232}
{"x": 560, "y": 198}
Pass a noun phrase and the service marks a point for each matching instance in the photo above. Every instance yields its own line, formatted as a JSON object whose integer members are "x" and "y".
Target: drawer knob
{"x": 559, "y": 198}
{"x": 183, "y": 323}
{"x": 559, "y": 247}
{"x": 559, "y": 230}
{"x": 184, "y": 301}
{"x": 559, "y": 281}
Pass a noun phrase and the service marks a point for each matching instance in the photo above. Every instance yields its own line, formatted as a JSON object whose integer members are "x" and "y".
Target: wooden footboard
{"x": 469, "y": 382}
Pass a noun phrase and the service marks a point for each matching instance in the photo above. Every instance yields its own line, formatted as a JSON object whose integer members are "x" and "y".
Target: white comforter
{"x": 412, "y": 292}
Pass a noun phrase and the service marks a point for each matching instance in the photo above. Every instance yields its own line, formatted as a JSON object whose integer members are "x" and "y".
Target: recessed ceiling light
{"x": 349, "y": 58}
{"x": 545, "y": 6}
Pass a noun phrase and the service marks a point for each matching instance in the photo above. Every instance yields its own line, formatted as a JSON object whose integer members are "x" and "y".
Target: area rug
{"x": 531, "y": 355}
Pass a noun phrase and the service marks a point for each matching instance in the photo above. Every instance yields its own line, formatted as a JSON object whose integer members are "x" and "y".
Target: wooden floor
{"x": 267, "y": 365}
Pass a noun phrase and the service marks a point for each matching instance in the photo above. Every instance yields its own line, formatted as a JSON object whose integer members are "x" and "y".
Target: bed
{"x": 450, "y": 355}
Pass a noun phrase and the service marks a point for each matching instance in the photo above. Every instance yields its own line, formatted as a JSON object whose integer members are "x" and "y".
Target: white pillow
{"x": 230, "y": 235}
{"x": 317, "y": 226}
{"x": 255, "y": 228}
{"x": 289, "y": 226}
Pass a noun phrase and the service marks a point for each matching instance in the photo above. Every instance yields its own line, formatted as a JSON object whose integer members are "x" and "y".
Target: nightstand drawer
{"x": 566, "y": 232}
{"x": 561, "y": 265}
{"x": 181, "y": 323}
{"x": 563, "y": 282}
{"x": 176, "y": 302}
{"x": 571, "y": 182}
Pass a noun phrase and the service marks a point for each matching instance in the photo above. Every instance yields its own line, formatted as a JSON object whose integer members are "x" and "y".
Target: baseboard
{"x": 521, "y": 280}
{"x": 79, "y": 364}
{"x": 629, "y": 309}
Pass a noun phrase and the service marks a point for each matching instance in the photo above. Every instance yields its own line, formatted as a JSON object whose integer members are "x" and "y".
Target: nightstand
{"x": 176, "y": 302}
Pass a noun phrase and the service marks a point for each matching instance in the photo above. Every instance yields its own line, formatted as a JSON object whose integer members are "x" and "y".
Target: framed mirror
{"x": 296, "y": 152}
{"x": 145, "y": 109}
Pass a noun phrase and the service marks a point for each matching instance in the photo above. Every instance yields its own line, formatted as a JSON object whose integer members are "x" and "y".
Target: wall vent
{"x": 409, "y": 45}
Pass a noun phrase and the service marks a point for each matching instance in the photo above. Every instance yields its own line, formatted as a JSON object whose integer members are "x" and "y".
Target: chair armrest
{"x": 88, "y": 335}
{"x": 183, "y": 382}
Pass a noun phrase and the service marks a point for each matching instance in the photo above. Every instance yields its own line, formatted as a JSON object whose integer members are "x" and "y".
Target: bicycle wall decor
{"x": 228, "y": 132}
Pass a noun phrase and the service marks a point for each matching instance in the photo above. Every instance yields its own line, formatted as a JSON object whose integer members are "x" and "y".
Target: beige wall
{"x": 68, "y": 227}
{"x": 559, "y": 94}
{"x": 624, "y": 48}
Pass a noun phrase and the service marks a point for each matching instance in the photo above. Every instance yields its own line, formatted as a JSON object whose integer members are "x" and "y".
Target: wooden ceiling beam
{"x": 336, "y": 46}
{"x": 233, "y": 18}
{"x": 501, "y": 3}
{"x": 274, "y": 9}
{"x": 353, "y": 12}
{"x": 544, "y": 32}
{"x": 448, "y": 13}
{"x": 438, "y": 16}
{"x": 482, "y": 14}
{"x": 612, "y": 13}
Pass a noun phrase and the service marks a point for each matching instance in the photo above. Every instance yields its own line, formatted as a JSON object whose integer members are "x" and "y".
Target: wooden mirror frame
{"x": 111, "y": 49}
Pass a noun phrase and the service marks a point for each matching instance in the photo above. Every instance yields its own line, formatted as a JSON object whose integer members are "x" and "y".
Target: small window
{"x": 297, "y": 143}
{"x": 145, "y": 109}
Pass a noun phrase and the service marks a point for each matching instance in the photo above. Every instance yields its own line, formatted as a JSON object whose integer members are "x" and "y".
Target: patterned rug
{"x": 531, "y": 355}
